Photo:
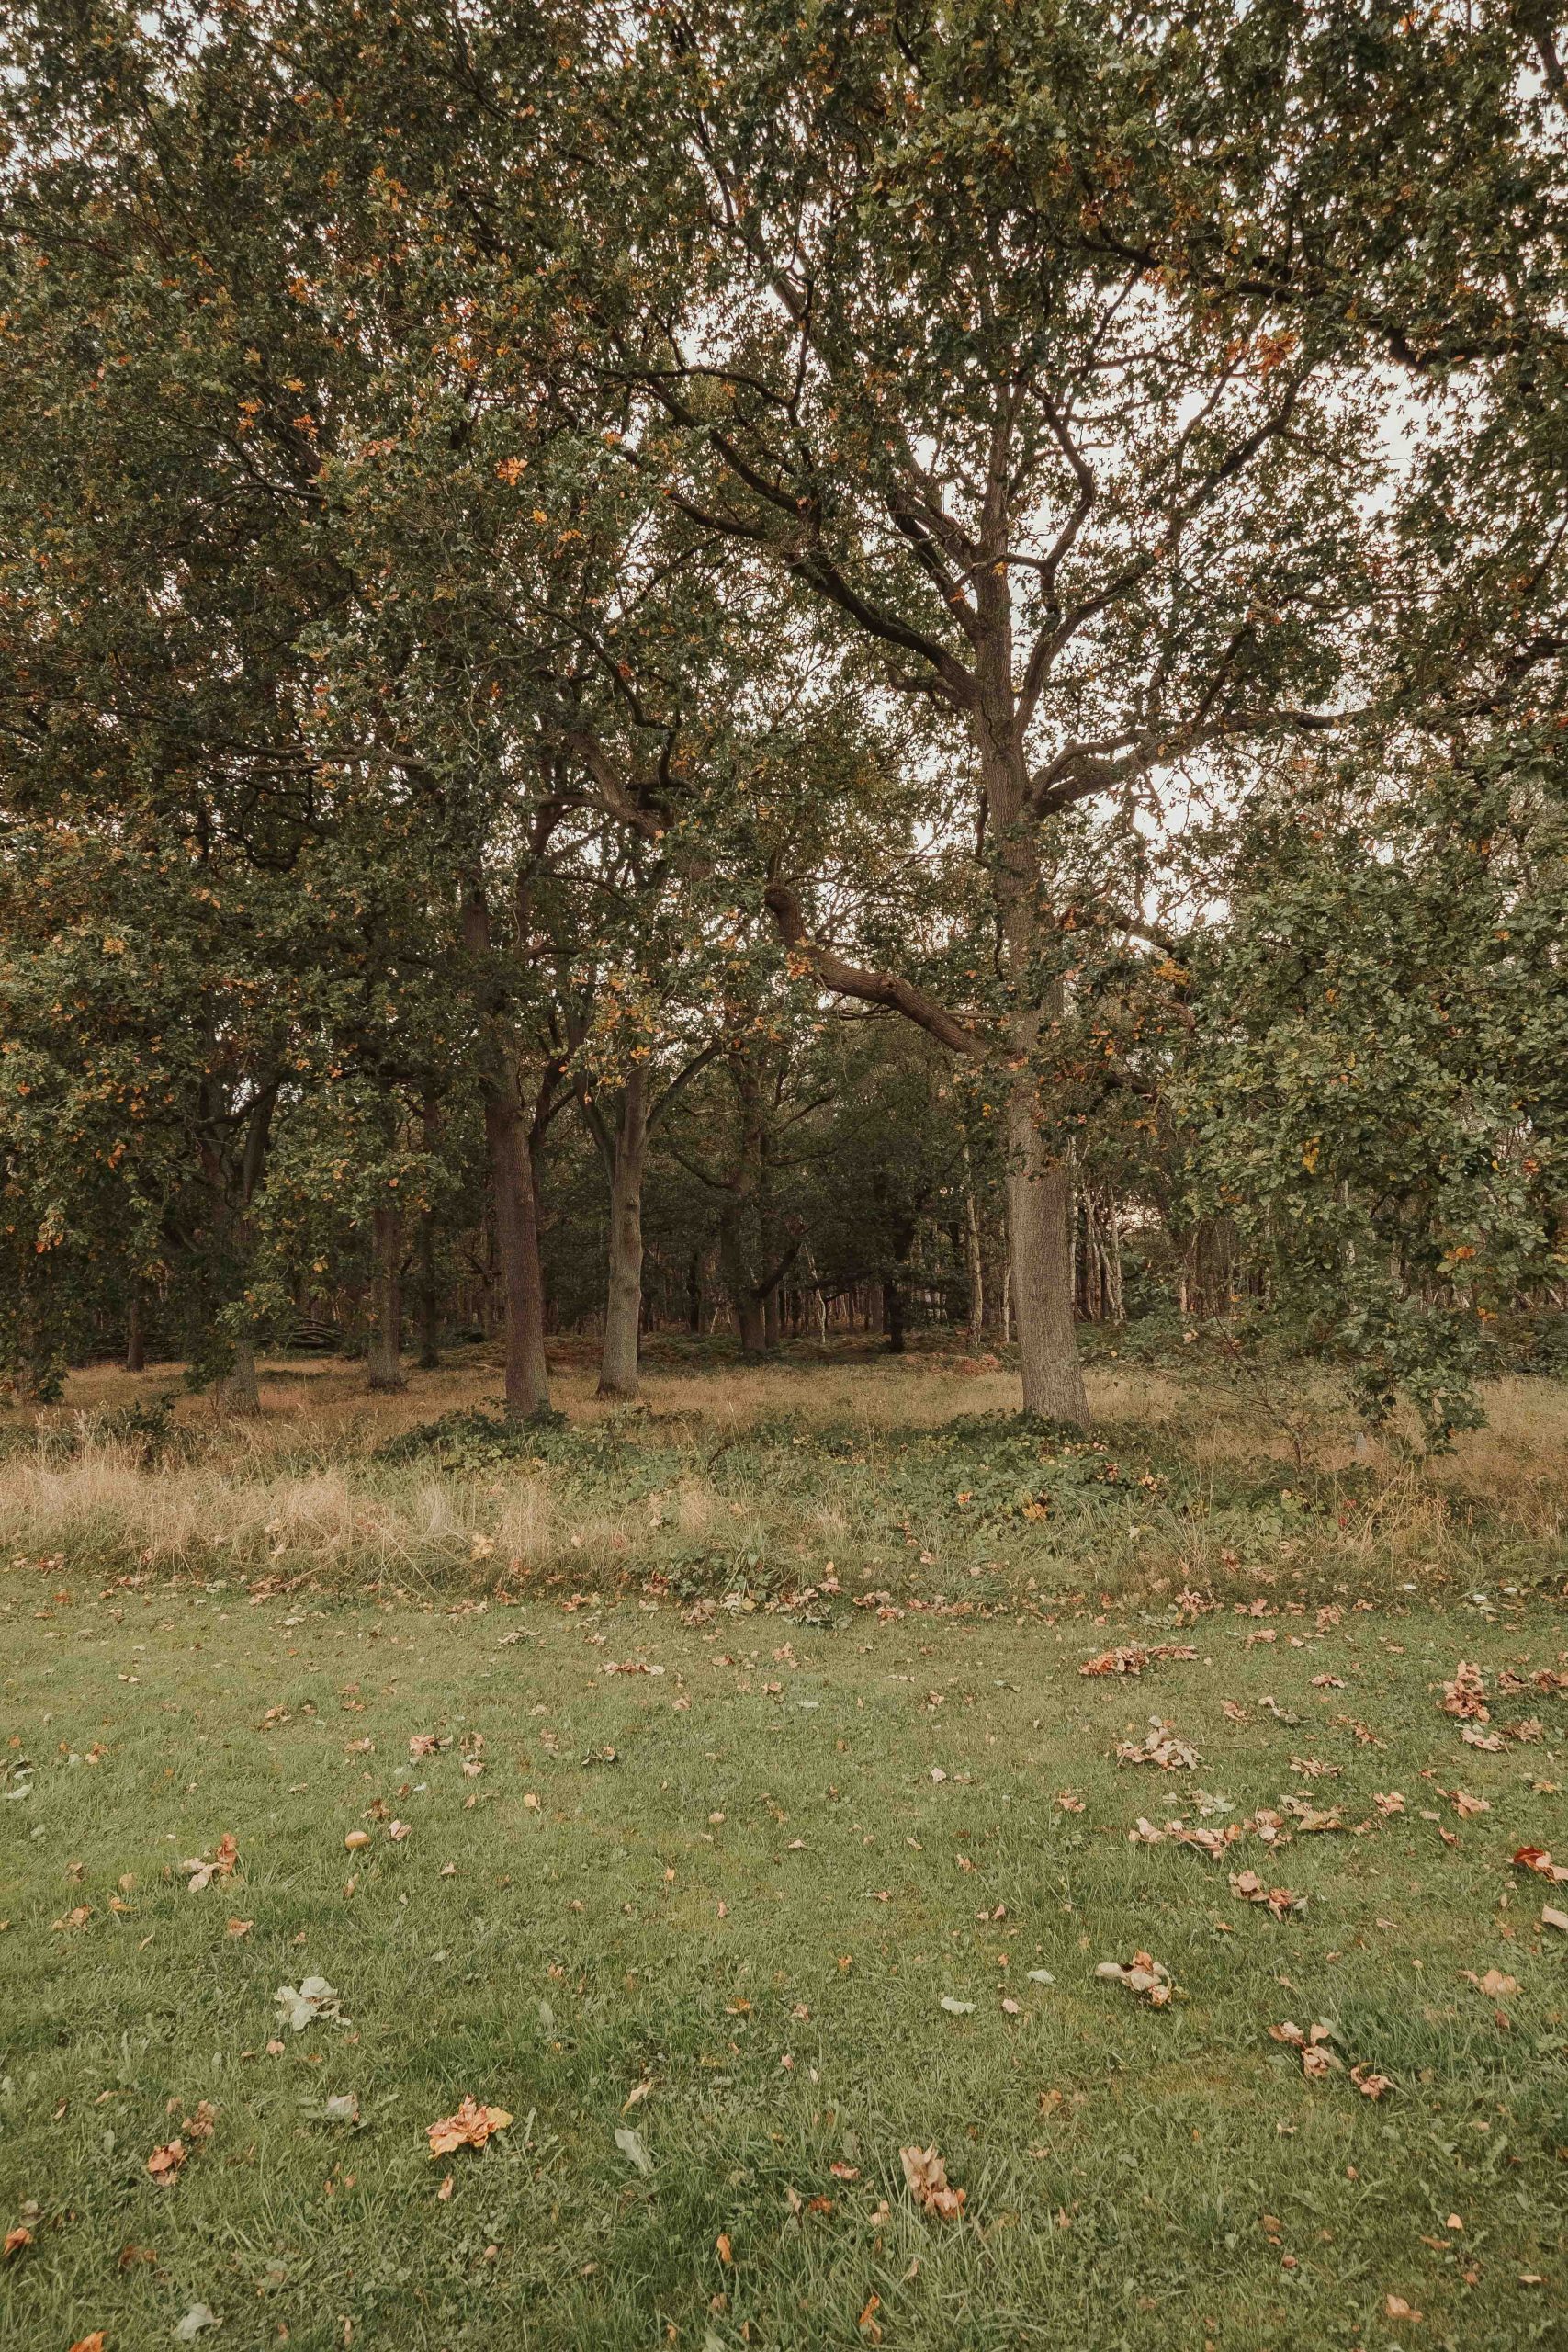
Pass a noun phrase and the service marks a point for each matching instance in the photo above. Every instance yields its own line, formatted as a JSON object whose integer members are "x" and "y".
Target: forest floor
{"x": 727, "y": 1887}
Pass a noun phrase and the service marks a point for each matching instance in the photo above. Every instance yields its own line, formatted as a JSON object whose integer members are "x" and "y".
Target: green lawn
{"x": 739, "y": 1878}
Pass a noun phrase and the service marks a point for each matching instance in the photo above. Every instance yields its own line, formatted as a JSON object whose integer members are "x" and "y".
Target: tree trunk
{"x": 893, "y": 1314}
{"x": 874, "y": 1316}
{"x": 513, "y": 1203}
{"x": 136, "y": 1334}
{"x": 1039, "y": 1186}
{"x": 526, "y": 1383}
{"x": 383, "y": 1362}
{"x": 973, "y": 1261}
{"x": 1040, "y": 1228}
{"x": 771, "y": 1320}
{"x": 751, "y": 1323}
{"x": 237, "y": 1391}
{"x": 429, "y": 1304}
{"x": 694, "y": 1292}
{"x": 623, "y": 1300}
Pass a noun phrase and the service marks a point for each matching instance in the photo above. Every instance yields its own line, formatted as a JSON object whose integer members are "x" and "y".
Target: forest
{"x": 783, "y": 1045}
{"x": 768, "y": 676}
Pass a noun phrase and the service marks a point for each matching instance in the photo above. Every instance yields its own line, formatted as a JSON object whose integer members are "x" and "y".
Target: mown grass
{"x": 756, "y": 1908}
{"x": 847, "y": 1785}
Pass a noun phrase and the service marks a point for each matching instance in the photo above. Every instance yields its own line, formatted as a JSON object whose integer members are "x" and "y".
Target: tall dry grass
{"x": 293, "y": 1490}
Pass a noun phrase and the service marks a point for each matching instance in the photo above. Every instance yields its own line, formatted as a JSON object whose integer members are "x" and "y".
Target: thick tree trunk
{"x": 383, "y": 1362}
{"x": 527, "y": 1384}
{"x": 513, "y": 1202}
{"x": 136, "y": 1334}
{"x": 238, "y": 1392}
{"x": 749, "y": 1321}
{"x": 622, "y": 1299}
{"x": 893, "y": 1314}
{"x": 1039, "y": 1186}
{"x": 1040, "y": 1229}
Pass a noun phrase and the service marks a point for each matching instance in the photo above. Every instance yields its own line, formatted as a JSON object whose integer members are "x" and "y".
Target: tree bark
{"x": 893, "y": 1314}
{"x": 136, "y": 1334}
{"x": 525, "y": 1385}
{"x": 974, "y": 1263}
{"x": 384, "y": 1369}
{"x": 237, "y": 1391}
{"x": 623, "y": 1300}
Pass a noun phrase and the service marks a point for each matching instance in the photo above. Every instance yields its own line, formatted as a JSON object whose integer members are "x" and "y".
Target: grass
{"x": 738, "y": 1878}
{"x": 734, "y": 1475}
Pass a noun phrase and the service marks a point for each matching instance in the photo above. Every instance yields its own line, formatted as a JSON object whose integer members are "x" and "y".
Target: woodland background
{"x": 791, "y": 671}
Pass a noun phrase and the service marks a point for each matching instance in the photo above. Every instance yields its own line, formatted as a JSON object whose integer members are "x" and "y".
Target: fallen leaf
{"x": 241, "y": 1927}
{"x": 220, "y": 1863}
{"x": 1142, "y": 1974}
{"x": 1550, "y": 1918}
{"x": 165, "y": 2162}
{"x": 315, "y": 1998}
{"x": 1465, "y": 1695}
{"x": 958, "y": 2008}
{"x": 199, "y": 2315}
{"x": 1397, "y": 2308}
{"x": 1536, "y": 1858}
{"x": 630, "y": 2143}
{"x": 15, "y": 2240}
{"x": 1159, "y": 1745}
{"x": 1371, "y": 2085}
{"x": 1494, "y": 1984}
{"x": 1317, "y": 2059}
{"x": 470, "y": 2127}
{"x": 1280, "y": 1900}
{"x": 927, "y": 2177}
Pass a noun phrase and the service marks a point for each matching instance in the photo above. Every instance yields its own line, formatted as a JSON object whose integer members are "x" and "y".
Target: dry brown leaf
{"x": 470, "y": 2127}
{"x": 1281, "y": 1900}
{"x": 1536, "y": 1858}
{"x": 1142, "y": 1974}
{"x": 1161, "y": 1746}
{"x": 93, "y": 2343}
{"x": 1371, "y": 2085}
{"x": 1397, "y": 2308}
{"x": 16, "y": 2240}
{"x": 1466, "y": 1694}
{"x": 1317, "y": 2059}
{"x": 927, "y": 2177}
{"x": 1494, "y": 1984}
{"x": 165, "y": 2162}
